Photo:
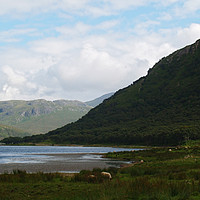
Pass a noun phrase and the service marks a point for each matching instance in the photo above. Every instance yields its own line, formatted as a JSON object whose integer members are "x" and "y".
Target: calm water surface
{"x": 43, "y": 154}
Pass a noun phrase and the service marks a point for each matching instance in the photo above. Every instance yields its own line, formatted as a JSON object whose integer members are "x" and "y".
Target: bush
{"x": 94, "y": 176}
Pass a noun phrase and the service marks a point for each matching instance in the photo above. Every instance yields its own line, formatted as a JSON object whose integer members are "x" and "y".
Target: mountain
{"x": 161, "y": 108}
{"x": 99, "y": 100}
{"x": 8, "y": 131}
{"x": 40, "y": 116}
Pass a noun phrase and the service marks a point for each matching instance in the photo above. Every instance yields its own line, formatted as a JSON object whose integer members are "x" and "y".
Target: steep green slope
{"x": 40, "y": 116}
{"x": 45, "y": 123}
{"x": 7, "y": 131}
{"x": 159, "y": 109}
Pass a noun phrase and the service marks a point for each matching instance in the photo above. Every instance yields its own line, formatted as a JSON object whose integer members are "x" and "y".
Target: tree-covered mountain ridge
{"x": 161, "y": 108}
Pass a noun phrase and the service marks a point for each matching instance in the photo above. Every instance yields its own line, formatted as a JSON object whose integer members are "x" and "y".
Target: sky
{"x": 82, "y": 49}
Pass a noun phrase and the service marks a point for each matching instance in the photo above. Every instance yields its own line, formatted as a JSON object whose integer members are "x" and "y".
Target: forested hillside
{"x": 161, "y": 108}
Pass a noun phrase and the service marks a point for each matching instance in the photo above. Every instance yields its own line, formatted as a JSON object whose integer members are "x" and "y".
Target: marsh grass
{"x": 21, "y": 176}
{"x": 164, "y": 175}
{"x": 95, "y": 175}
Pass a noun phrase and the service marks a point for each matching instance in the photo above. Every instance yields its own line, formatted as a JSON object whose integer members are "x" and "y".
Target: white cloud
{"x": 188, "y": 7}
{"x": 77, "y": 30}
{"x": 51, "y": 46}
{"x": 15, "y": 84}
{"x": 107, "y": 24}
{"x": 167, "y": 2}
{"x": 24, "y": 6}
{"x": 81, "y": 7}
{"x": 188, "y": 35}
{"x": 12, "y": 35}
{"x": 14, "y": 78}
{"x": 84, "y": 67}
{"x": 85, "y": 56}
{"x": 145, "y": 27}
{"x": 9, "y": 92}
{"x": 180, "y": 37}
{"x": 128, "y": 4}
{"x": 34, "y": 7}
{"x": 191, "y": 6}
{"x": 74, "y": 5}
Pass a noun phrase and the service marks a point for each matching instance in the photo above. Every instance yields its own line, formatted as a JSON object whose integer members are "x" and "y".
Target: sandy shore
{"x": 65, "y": 163}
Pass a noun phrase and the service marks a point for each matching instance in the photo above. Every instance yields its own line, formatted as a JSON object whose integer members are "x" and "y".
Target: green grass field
{"x": 164, "y": 174}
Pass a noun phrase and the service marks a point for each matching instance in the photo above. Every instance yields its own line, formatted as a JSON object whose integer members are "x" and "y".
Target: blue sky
{"x": 82, "y": 49}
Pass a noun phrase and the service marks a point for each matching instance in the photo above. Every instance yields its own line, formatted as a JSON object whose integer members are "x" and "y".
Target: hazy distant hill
{"x": 23, "y": 118}
{"x": 7, "y": 131}
{"x": 40, "y": 116}
{"x": 99, "y": 100}
{"x": 161, "y": 108}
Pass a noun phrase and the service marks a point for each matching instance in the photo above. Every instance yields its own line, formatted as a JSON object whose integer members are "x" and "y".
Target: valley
{"x": 161, "y": 108}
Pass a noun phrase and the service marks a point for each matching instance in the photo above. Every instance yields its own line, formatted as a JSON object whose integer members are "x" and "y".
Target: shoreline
{"x": 63, "y": 163}
{"x": 81, "y": 145}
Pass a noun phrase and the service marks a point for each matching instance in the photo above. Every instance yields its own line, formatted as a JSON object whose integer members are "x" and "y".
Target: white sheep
{"x": 92, "y": 176}
{"x": 106, "y": 174}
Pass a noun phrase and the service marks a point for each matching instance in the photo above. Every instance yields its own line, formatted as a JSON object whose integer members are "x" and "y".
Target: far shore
{"x": 80, "y": 145}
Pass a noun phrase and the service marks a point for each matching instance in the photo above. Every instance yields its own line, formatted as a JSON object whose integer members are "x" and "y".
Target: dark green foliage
{"x": 12, "y": 140}
{"x": 95, "y": 175}
{"x": 161, "y": 108}
{"x": 21, "y": 176}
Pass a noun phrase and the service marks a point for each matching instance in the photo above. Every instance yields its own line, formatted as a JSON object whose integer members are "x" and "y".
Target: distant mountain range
{"x": 161, "y": 108}
{"x": 23, "y": 118}
{"x": 39, "y": 116}
{"x": 8, "y": 131}
{"x": 99, "y": 100}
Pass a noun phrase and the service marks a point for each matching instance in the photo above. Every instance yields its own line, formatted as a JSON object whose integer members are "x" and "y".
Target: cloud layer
{"x": 82, "y": 49}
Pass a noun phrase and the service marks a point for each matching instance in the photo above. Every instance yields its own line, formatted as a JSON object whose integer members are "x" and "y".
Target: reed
{"x": 159, "y": 177}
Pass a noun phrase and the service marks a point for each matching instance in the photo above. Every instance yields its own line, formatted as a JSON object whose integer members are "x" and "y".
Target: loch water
{"x": 47, "y": 158}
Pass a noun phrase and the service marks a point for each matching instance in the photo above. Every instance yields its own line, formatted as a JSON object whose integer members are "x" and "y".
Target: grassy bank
{"x": 159, "y": 173}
